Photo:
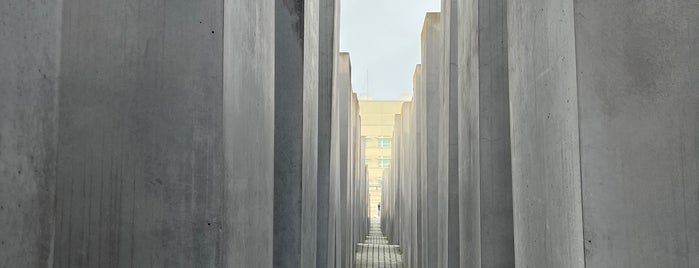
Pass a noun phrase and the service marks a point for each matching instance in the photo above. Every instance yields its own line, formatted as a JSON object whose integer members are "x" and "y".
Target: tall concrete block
{"x": 296, "y": 133}
{"x": 344, "y": 89}
{"x": 419, "y": 160}
{"x": 142, "y": 177}
{"x": 638, "y": 97}
{"x": 545, "y": 145}
{"x": 29, "y": 52}
{"x": 432, "y": 94}
{"x": 448, "y": 191}
{"x": 485, "y": 177}
{"x": 335, "y": 209}
{"x": 354, "y": 176}
{"x": 615, "y": 117}
{"x": 408, "y": 173}
{"x": 127, "y": 176}
{"x": 248, "y": 121}
{"x": 328, "y": 44}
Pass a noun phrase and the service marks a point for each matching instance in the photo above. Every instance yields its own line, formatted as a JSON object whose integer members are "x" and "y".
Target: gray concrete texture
{"x": 638, "y": 97}
{"x": 615, "y": 120}
{"x": 132, "y": 132}
{"x": 420, "y": 160}
{"x": 328, "y": 33}
{"x": 344, "y": 88}
{"x": 448, "y": 184}
{"x": 30, "y": 57}
{"x": 432, "y": 92}
{"x": 163, "y": 155}
{"x": 296, "y": 133}
{"x": 142, "y": 177}
{"x": 484, "y": 136}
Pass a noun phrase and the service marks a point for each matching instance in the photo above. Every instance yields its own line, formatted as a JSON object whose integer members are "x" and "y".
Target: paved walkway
{"x": 375, "y": 252}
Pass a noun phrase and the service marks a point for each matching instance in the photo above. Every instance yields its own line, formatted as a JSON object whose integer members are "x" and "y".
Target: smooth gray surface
{"x": 639, "y": 132}
{"x": 140, "y": 162}
{"x": 432, "y": 56}
{"x": 419, "y": 155}
{"x": 410, "y": 177}
{"x": 29, "y": 57}
{"x": 334, "y": 230}
{"x": 248, "y": 120}
{"x": 493, "y": 126}
{"x": 344, "y": 88}
{"x": 448, "y": 191}
{"x": 328, "y": 43}
{"x": 544, "y": 133}
{"x": 469, "y": 184}
{"x": 296, "y": 133}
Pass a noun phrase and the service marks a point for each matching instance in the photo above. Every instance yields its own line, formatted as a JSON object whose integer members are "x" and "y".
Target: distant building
{"x": 378, "y": 118}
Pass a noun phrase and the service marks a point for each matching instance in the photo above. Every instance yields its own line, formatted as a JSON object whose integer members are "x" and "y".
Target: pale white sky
{"x": 383, "y": 39}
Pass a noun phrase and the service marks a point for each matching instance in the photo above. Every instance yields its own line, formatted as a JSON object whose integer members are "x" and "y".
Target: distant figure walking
{"x": 379, "y": 210}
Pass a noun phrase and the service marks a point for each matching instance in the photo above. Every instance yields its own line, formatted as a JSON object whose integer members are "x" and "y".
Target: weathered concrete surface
{"x": 631, "y": 83}
{"x": 419, "y": 160}
{"x": 637, "y": 74}
{"x": 248, "y": 120}
{"x": 328, "y": 45}
{"x": 432, "y": 56}
{"x": 141, "y": 171}
{"x": 469, "y": 184}
{"x": 545, "y": 145}
{"x": 486, "y": 182}
{"x": 344, "y": 89}
{"x": 29, "y": 53}
{"x": 296, "y": 133}
{"x": 494, "y": 163}
{"x": 448, "y": 185}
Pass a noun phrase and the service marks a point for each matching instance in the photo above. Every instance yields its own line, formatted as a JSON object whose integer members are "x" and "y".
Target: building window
{"x": 384, "y": 162}
{"x": 384, "y": 142}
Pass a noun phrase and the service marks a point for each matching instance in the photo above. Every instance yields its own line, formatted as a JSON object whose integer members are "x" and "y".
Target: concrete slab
{"x": 448, "y": 191}
{"x": 419, "y": 155}
{"x": 29, "y": 52}
{"x": 141, "y": 128}
{"x": 296, "y": 133}
{"x": 545, "y": 142}
{"x": 637, "y": 115}
{"x": 344, "y": 87}
{"x": 328, "y": 43}
{"x": 639, "y": 119}
{"x": 248, "y": 121}
{"x": 432, "y": 95}
{"x": 486, "y": 183}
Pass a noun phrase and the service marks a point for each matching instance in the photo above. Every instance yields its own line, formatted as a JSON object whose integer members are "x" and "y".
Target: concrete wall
{"x": 486, "y": 182}
{"x": 296, "y": 133}
{"x": 494, "y": 163}
{"x": 432, "y": 56}
{"x": 469, "y": 183}
{"x": 142, "y": 177}
{"x": 448, "y": 191}
{"x": 140, "y": 166}
{"x": 328, "y": 43}
{"x": 344, "y": 88}
{"x": 29, "y": 52}
{"x": 637, "y": 74}
{"x": 629, "y": 81}
{"x": 248, "y": 120}
{"x": 545, "y": 144}
{"x": 420, "y": 160}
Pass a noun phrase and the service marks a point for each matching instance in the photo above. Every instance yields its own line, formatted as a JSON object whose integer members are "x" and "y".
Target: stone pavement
{"x": 375, "y": 252}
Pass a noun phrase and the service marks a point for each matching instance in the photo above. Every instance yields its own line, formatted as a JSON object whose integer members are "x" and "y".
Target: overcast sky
{"x": 383, "y": 39}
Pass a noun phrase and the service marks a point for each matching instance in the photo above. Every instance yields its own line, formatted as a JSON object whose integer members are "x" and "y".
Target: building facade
{"x": 377, "y": 127}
